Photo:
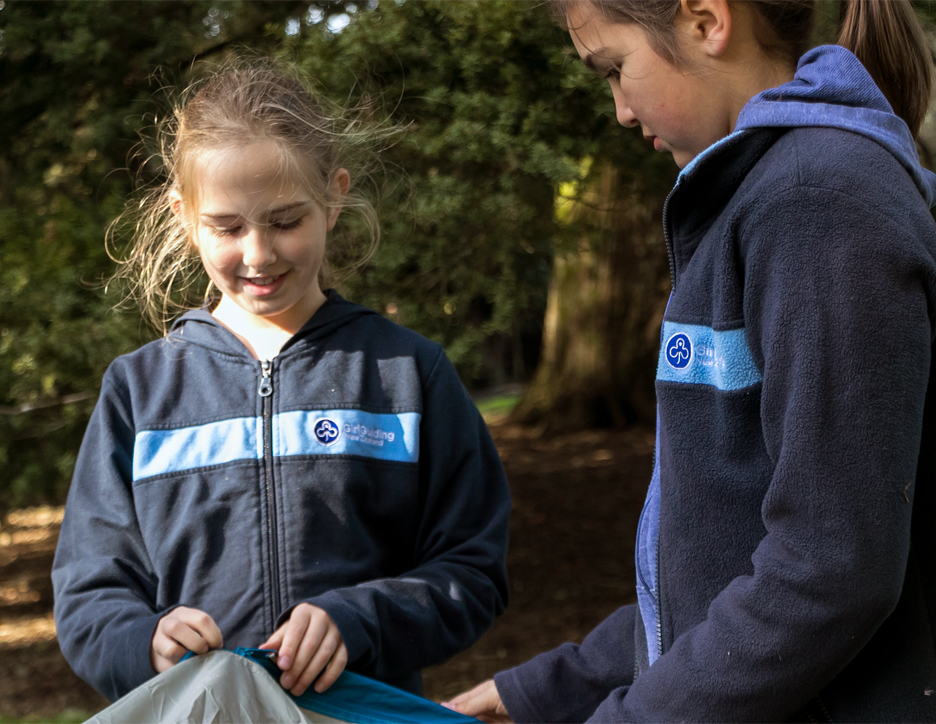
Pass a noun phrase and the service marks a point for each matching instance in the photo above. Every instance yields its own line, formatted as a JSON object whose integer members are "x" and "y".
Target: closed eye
{"x": 225, "y": 231}
{"x": 287, "y": 225}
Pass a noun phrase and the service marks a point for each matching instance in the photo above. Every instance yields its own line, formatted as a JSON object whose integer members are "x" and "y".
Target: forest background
{"x": 521, "y": 225}
{"x": 521, "y": 230}
{"x": 507, "y": 171}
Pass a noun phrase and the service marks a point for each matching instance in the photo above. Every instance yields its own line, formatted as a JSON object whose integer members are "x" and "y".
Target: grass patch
{"x": 69, "y": 716}
{"x": 497, "y": 407}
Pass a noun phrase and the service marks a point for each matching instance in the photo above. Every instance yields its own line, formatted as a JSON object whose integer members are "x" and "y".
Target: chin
{"x": 682, "y": 160}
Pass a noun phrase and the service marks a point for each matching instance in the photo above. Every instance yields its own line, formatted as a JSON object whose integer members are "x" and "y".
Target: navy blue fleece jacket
{"x": 785, "y": 556}
{"x": 353, "y": 473}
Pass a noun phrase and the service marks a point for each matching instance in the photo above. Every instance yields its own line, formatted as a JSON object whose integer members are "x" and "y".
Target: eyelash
{"x": 287, "y": 226}
{"x": 613, "y": 73}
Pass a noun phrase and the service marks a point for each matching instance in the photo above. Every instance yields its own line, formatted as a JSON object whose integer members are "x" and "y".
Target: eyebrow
{"x": 271, "y": 212}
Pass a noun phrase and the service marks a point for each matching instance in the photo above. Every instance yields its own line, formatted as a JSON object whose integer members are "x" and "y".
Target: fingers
{"x": 324, "y": 657}
{"x": 309, "y": 644}
{"x": 334, "y": 669}
{"x": 275, "y": 642}
{"x": 203, "y": 625}
{"x": 180, "y": 631}
{"x": 482, "y": 702}
{"x": 305, "y": 643}
{"x": 292, "y": 634}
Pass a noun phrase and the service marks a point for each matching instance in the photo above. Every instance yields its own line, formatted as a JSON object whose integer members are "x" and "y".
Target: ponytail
{"x": 886, "y": 36}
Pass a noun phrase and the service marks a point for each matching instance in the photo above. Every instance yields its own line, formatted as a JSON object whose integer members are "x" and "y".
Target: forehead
{"x": 597, "y": 39}
{"x": 245, "y": 179}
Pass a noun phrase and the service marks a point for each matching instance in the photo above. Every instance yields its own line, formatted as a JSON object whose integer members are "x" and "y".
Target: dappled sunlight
{"x": 26, "y": 536}
{"x": 28, "y": 532}
{"x": 38, "y": 517}
{"x": 19, "y": 592}
{"x": 26, "y": 631}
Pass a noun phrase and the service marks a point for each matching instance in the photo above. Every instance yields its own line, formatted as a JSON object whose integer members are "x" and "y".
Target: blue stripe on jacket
{"x": 391, "y": 437}
{"x": 699, "y": 355}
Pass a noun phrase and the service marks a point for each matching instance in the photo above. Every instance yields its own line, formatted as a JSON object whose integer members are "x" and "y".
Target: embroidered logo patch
{"x": 679, "y": 351}
{"x": 326, "y": 431}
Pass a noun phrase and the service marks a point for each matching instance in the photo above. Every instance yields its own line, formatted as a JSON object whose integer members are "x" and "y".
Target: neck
{"x": 767, "y": 75}
{"x": 263, "y": 337}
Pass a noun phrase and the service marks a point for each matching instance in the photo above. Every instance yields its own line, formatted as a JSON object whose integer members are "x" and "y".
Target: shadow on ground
{"x": 576, "y": 501}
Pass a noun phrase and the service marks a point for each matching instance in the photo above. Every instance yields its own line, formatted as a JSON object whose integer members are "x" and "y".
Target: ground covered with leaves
{"x": 576, "y": 501}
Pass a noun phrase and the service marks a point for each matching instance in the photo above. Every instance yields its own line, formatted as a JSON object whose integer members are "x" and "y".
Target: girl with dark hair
{"x": 786, "y": 567}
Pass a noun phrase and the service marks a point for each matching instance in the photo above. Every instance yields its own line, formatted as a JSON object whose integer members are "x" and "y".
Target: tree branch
{"x": 30, "y": 406}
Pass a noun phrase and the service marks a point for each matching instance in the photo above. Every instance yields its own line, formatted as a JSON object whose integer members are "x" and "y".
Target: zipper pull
{"x": 266, "y": 384}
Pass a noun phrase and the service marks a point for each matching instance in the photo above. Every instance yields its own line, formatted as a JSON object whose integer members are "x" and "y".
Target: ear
{"x": 708, "y": 23}
{"x": 338, "y": 188}
{"x": 175, "y": 203}
{"x": 177, "y": 206}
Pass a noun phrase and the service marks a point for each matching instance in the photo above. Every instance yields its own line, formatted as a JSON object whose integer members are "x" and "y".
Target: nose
{"x": 257, "y": 249}
{"x": 624, "y": 114}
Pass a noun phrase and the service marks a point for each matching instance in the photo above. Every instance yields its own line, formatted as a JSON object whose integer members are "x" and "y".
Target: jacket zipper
{"x": 670, "y": 257}
{"x": 266, "y": 395}
{"x": 659, "y": 600}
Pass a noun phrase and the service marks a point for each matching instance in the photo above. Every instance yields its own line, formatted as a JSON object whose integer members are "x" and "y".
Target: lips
{"x": 263, "y": 286}
{"x": 263, "y": 281}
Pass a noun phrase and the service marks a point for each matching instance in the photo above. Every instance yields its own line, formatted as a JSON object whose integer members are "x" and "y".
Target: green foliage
{"x": 77, "y": 81}
{"x": 498, "y": 110}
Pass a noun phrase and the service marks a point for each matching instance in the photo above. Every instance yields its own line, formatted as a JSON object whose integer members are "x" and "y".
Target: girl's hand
{"x": 308, "y": 643}
{"x": 483, "y": 702}
{"x": 180, "y": 631}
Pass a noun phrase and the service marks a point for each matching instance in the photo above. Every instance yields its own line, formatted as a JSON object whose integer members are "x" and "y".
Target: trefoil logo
{"x": 679, "y": 351}
{"x": 326, "y": 431}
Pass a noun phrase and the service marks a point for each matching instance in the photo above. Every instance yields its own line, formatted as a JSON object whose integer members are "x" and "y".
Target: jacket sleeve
{"x": 838, "y": 311}
{"x": 568, "y": 683}
{"x": 103, "y": 581}
{"x": 396, "y": 626}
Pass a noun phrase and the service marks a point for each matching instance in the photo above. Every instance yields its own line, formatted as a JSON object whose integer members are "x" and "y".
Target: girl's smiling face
{"x": 679, "y": 111}
{"x": 261, "y": 237}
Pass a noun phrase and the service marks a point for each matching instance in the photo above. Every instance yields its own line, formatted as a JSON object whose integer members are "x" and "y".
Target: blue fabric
{"x": 695, "y": 354}
{"x": 347, "y": 432}
{"x": 156, "y": 452}
{"x": 360, "y": 700}
{"x": 648, "y": 533}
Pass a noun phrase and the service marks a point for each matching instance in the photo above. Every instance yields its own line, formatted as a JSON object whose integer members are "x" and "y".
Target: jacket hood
{"x": 832, "y": 89}
{"x": 199, "y": 327}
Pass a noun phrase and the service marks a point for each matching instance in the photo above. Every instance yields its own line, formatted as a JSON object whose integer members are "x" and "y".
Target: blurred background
{"x": 520, "y": 229}
{"x": 510, "y": 198}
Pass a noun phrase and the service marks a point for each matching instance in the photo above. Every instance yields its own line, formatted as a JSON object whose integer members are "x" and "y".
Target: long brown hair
{"x": 885, "y": 35}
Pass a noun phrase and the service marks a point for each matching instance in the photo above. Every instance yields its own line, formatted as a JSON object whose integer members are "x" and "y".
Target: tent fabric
{"x": 239, "y": 687}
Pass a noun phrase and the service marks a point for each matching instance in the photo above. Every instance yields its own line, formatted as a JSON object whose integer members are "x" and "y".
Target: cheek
{"x": 215, "y": 257}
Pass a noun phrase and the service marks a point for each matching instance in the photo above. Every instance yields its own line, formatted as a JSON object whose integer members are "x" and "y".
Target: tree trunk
{"x": 602, "y": 326}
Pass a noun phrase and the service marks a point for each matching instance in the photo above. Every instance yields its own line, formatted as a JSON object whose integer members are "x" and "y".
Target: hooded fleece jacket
{"x": 786, "y": 561}
{"x": 352, "y": 472}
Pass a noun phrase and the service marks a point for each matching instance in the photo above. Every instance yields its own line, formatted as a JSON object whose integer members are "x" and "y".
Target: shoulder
{"x": 145, "y": 360}
{"x": 837, "y": 161}
{"x": 385, "y": 338}
{"x": 816, "y": 184}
